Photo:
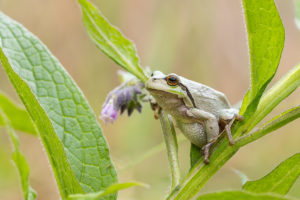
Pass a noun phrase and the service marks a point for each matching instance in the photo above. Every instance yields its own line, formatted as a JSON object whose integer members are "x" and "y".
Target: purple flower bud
{"x": 109, "y": 113}
{"x": 123, "y": 97}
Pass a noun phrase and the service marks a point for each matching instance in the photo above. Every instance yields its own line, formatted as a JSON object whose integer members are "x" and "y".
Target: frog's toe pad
{"x": 239, "y": 118}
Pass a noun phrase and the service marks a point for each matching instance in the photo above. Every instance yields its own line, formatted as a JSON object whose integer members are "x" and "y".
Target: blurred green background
{"x": 203, "y": 40}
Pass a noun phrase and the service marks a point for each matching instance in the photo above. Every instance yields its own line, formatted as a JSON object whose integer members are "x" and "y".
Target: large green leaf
{"x": 109, "y": 39}
{"x": 19, "y": 159}
{"x": 18, "y": 116}
{"x": 297, "y": 13}
{"x": 280, "y": 180}
{"x": 266, "y": 41}
{"x": 68, "y": 128}
{"x": 240, "y": 195}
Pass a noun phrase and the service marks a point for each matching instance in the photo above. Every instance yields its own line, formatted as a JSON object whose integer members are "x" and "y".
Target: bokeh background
{"x": 203, "y": 40}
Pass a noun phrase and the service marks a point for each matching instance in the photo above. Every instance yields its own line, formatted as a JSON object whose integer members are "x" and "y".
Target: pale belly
{"x": 195, "y": 132}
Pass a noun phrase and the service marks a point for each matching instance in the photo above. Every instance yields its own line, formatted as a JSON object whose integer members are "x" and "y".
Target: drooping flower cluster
{"x": 124, "y": 97}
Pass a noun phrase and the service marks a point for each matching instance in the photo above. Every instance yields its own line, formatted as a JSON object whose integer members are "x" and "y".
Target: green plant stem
{"x": 276, "y": 123}
{"x": 19, "y": 159}
{"x": 297, "y": 13}
{"x": 172, "y": 147}
{"x": 201, "y": 172}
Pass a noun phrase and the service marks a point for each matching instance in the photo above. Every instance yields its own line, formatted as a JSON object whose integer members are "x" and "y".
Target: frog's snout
{"x": 151, "y": 80}
{"x": 152, "y": 83}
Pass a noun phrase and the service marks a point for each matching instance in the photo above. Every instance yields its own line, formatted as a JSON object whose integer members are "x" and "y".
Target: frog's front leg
{"x": 156, "y": 108}
{"x": 211, "y": 127}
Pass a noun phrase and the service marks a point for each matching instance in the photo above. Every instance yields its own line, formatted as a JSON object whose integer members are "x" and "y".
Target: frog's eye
{"x": 172, "y": 80}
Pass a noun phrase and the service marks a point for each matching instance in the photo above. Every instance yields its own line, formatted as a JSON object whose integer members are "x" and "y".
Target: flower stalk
{"x": 172, "y": 148}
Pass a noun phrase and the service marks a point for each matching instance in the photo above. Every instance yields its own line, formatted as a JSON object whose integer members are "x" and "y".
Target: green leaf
{"x": 108, "y": 191}
{"x": 266, "y": 41}
{"x": 297, "y": 13}
{"x": 240, "y": 195}
{"x": 195, "y": 154}
{"x": 278, "y": 181}
{"x": 71, "y": 135}
{"x": 109, "y": 39}
{"x": 281, "y": 90}
{"x": 19, "y": 159}
{"x": 18, "y": 116}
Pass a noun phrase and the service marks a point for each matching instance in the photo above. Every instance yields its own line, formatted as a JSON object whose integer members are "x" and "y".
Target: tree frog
{"x": 200, "y": 112}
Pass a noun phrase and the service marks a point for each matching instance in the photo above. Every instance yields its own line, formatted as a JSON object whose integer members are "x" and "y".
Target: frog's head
{"x": 169, "y": 86}
{"x": 159, "y": 83}
{"x": 164, "y": 87}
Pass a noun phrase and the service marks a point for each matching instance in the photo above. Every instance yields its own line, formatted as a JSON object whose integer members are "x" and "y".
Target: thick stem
{"x": 200, "y": 174}
{"x": 274, "y": 124}
{"x": 172, "y": 147}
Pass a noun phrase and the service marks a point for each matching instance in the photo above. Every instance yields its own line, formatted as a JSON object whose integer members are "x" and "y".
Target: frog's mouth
{"x": 161, "y": 92}
{"x": 157, "y": 91}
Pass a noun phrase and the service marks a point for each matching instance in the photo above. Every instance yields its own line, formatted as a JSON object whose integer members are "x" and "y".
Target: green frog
{"x": 200, "y": 112}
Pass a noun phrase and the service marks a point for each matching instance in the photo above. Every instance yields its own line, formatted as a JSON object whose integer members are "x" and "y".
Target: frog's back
{"x": 207, "y": 98}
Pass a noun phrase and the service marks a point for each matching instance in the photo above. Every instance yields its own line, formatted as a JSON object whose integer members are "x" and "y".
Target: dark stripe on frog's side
{"x": 188, "y": 93}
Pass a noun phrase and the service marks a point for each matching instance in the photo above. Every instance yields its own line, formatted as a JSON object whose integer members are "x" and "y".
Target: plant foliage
{"x": 280, "y": 180}
{"x": 18, "y": 116}
{"x": 73, "y": 139}
{"x": 19, "y": 160}
{"x": 68, "y": 128}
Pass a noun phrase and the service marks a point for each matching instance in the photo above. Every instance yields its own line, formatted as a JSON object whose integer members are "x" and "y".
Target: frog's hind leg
{"x": 211, "y": 128}
{"x": 212, "y": 140}
{"x": 227, "y": 119}
{"x": 227, "y": 116}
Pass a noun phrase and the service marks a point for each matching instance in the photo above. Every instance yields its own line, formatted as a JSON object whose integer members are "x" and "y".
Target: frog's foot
{"x": 239, "y": 117}
{"x": 156, "y": 112}
{"x": 227, "y": 128}
{"x": 206, "y": 149}
{"x": 156, "y": 108}
{"x": 228, "y": 132}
